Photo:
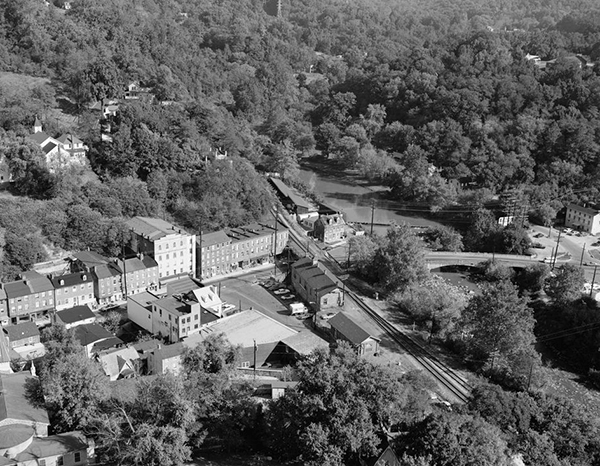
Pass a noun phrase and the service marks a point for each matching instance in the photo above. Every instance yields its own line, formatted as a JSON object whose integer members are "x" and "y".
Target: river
{"x": 353, "y": 196}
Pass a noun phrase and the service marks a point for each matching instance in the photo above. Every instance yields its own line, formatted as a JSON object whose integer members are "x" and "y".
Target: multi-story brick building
{"x": 74, "y": 289}
{"x": 213, "y": 254}
{"x": 171, "y": 247}
{"x": 176, "y": 317}
{"x": 253, "y": 243}
{"x": 330, "y": 228}
{"x": 108, "y": 287}
{"x": 139, "y": 274}
{"x": 316, "y": 285}
{"x": 29, "y": 298}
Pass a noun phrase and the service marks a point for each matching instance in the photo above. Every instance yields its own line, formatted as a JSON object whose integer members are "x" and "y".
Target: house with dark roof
{"x": 95, "y": 338}
{"x": 316, "y": 285}
{"x": 108, "y": 287}
{"x": 72, "y": 317}
{"x": 345, "y": 329}
{"x": 387, "y": 458}
{"x": 74, "y": 289}
{"x": 63, "y": 152}
{"x": 139, "y": 274}
{"x": 26, "y": 333}
{"x": 29, "y": 298}
{"x": 68, "y": 449}
{"x": 330, "y": 228}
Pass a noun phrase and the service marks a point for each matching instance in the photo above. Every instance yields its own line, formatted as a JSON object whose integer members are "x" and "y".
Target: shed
{"x": 344, "y": 328}
{"x": 75, "y": 316}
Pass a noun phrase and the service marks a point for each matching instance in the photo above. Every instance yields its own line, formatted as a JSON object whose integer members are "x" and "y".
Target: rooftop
{"x": 72, "y": 279}
{"x": 39, "y": 137}
{"x": 169, "y": 351}
{"x": 245, "y": 328}
{"x": 182, "y": 286}
{"x": 75, "y": 314}
{"x": 209, "y": 239}
{"x": 117, "y": 360}
{"x": 90, "y": 258}
{"x": 349, "y": 329}
{"x": 585, "y": 210}
{"x": 88, "y": 334}
{"x": 253, "y": 230}
{"x": 21, "y": 331}
{"x": 136, "y": 264}
{"x": 144, "y": 299}
{"x": 54, "y": 445}
{"x": 305, "y": 342}
{"x": 154, "y": 228}
{"x": 13, "y": 401}
{"x": 37, "y": 282}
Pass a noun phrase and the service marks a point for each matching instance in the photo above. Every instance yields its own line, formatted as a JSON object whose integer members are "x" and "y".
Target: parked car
{"x": 281, "y": 291}
{"x": 228, "y": 307}
{"x": 303, "y": 316}
{"x": 288, "y": 297}
{"x": 327, "y": 316}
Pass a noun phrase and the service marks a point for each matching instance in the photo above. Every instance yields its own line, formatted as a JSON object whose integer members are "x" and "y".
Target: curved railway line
{"x": 439, "y": 370}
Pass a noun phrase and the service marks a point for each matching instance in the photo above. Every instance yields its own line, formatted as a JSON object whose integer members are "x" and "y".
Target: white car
{"x": 288, "y": 297}
{"x": 281, "y": 291}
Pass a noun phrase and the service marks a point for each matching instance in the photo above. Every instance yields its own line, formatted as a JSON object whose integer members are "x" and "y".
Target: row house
{"x": 583, "y": 218}
{"x": 213, "y": 254}
{"x": 139, "y": 274}
{"x": 74, "y": 289}
{"x": 171, "y": 247}
{"x": 330, "y": 228}
{"x": 29, "y": 298}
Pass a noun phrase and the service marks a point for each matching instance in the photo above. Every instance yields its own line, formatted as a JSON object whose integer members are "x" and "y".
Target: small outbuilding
{"x": 344, "y": 328}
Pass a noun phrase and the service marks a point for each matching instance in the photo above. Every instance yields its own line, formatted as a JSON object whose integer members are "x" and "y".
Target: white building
{"x": 170, "y": 246}
{"x": 583, "y": 219}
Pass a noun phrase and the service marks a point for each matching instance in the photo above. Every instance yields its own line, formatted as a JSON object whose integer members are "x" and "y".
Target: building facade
{"x": 329, "y": 228}
{"x": 315, "y": 285}
{"x": 139, "y": 274}
{"x": 30, "y": 298}
{"x": 171, "y": 247}
{"x": 176, "y": 317}
{"x": 583, "y": 218}
{"x": 213, "y": 254}
{"x": 74, "y": 289}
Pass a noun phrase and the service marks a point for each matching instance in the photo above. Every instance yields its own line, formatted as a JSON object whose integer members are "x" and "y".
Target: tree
{"x": 74, "y": 386}
{"x": 514, "y": 240}
{"x": 335, "y": 414}
{"x": 566, "y": 284}
{"x": 452, "y": 439}
{"x": 399, "y": 262}
{"x": 482, "y": 233}
{"x": 499, "y": 325}
{"x": 23, "y": 249}
{"x": 443, "y": 238}
{"x": 361, "y": 252}
{"x": 533, "y": 277}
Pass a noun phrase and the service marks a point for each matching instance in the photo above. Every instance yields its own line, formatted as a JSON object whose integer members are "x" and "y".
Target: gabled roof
{"x": 244, "y": 328}
{"x": 291, "y": 195}
{"x": 49, "y": 147}
{"x": 90, "y": 258}
{"x": 52, "y": 446}
{"x": 135, "y": 264}
{"x": 349, "y": 329}
{"x": 72, "y": 279}
{"x": 4, "y": 349}
{"x": 14, "y": 404}
{"x": 207, "y": 297}
{"x": 216, "y": 237}
{"x": 21, "y": 331}
{"x": 16, "y": 289}
{"x": 40, "y": 137}
{"x": 153, "y": 228}
{"x": 263, "y": 351}
{"x": 75, "y": 314}
{"x": 585, "y": 210}
{"x": 89, "y": 334}
{"x": 37, "y": 282}
{"x": 116, "y": 361}
{"x": 315, "y": 277}
{"x": 106, "y": 344}
{"x": 69, "y": 139}
{"x": 305, "y": 342}
{"x": 106, "y": 271}
{"x": 148, "y": 345}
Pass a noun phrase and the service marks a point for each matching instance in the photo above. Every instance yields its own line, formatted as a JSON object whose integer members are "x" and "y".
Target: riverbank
{"x": 359, "y": 199}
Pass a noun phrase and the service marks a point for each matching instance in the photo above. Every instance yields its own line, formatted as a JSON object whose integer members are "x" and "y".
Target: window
{"x": 60, "y": 461}
{"x": 246, "y": 364}
{"x": 77, "y": 457}
{"x": 42, "y": 462}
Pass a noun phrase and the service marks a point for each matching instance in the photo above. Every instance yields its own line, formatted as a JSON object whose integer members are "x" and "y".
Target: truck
{"x": 297, "y": 308}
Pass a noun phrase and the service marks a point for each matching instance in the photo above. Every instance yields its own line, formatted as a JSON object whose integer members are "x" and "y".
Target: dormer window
{"x": 61, "y": 282}
{"x": 84, "y": 278}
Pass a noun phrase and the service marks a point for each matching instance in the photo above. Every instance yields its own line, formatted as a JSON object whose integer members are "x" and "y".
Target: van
{"x": 297, "y": 308}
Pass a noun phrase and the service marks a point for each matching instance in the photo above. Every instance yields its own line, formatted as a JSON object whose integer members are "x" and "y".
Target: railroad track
{"x": 440, "y": 371}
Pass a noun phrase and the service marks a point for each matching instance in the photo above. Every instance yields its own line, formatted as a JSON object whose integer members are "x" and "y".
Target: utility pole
{"x": 348, "y": 263}
{"x": 593, "y": 280}
{"x": 372, "y": 215}
{"x": 556, "y": 253}
{"x": 199, "y": 259}
{"x": 124, "y": 270}
{"x": 255, "y": 348}
{"x": 582, "y": 253}
{"x": 275, "y": 242}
